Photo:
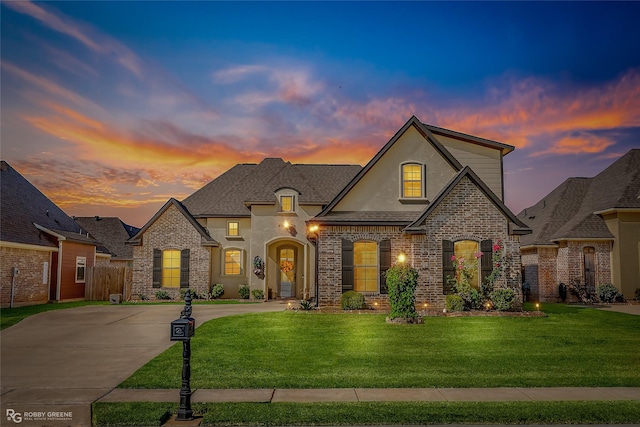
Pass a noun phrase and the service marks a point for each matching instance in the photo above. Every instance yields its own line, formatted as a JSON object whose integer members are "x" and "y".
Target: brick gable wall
{"x": 170, "y": 231}
{"x": 465, "y": 214}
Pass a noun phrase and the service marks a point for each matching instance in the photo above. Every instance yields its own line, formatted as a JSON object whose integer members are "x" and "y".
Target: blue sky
{"x": 111, "y": 108}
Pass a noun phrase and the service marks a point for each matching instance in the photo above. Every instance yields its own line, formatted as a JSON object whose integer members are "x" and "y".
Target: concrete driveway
{"x": 55, "y": 364}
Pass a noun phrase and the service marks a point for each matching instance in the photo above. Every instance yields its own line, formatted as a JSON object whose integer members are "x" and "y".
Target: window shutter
{"x": 448, "y": 269}
{"x": 157, "y": 268}
{"x": 385, "y": 264}
{"x": 184, "y": 268}
{"x": 347, "y": 265}
{"x": 486, "y": 247}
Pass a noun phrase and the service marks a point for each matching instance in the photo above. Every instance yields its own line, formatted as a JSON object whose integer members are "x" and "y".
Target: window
{"x": 171, "y": 268}
{"x": 233, "y": 229}
{"x": 232, "y": 262}
{"x": 81, "y": 263}
{"x": 412, "y": 181}
{"x": 365, "y": 266}
{"x": 286, "y": 204}
{"x": 465, "y": 252}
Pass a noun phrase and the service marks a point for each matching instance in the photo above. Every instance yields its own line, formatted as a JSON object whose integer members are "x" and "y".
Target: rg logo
{"x": 14, "y": 416}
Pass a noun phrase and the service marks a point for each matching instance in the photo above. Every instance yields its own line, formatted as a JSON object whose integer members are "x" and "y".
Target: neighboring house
{"x": 587, "y": 232}
{"x": 316, "y": 231}
{"x": 113, "y": 234}
{"x": 44, "y": 253}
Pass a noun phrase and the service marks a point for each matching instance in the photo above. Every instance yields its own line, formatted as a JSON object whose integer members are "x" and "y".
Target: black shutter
{"x": 347, "y": 265}
{"x": 385, "y": 264}
{"x": 184, "y": 268}
{"x": 448, "y": 269}
{"x": 486, "y": 247}
{"x": 157, "y": 268}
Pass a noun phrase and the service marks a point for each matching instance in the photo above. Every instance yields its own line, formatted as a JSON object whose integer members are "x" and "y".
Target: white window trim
{"x": 81, "y": 262}
{"x": 293, "y": 203}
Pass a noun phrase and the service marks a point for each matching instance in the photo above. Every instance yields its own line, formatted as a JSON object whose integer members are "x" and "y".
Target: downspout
{"x": 317, "y": 245}
{"x": 59, "y": 272}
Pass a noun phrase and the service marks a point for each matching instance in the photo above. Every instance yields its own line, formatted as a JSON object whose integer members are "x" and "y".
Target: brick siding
{"x": 29, "y": 288}
{"x": 465, "y": 214}
{"x": 170, "y": 231}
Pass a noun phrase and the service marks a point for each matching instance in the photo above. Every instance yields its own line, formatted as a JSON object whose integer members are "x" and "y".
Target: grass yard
{"x": 573, "y": 346}
{"x": 373, "y": 413}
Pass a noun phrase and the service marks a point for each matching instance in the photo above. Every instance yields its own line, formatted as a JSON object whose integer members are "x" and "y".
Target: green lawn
{"x": 373, "y": 413}
{"x": 571, "y": 347}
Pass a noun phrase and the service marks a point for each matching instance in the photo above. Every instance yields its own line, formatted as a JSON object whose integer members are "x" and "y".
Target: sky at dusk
{"x": 112, "y": 108}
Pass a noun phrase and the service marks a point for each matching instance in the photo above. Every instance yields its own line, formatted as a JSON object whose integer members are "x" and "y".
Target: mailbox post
{"x": 183, "y": 329}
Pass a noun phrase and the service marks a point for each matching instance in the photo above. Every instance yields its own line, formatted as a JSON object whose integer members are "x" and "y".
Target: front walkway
{"x": 380, "y": 395}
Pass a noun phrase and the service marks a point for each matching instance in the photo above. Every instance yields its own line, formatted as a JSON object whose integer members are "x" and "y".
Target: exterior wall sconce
{"x": 402, "y": 257}
{"x": 314, "y": 228}
{"x": 290, "y": 228}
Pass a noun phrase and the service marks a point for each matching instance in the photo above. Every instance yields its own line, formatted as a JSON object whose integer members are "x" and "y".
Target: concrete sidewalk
{"x": 380, "y": 395}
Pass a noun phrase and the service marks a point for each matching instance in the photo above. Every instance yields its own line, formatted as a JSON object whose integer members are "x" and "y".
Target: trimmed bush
{"x": 454, "y": 303}
{"x": 243, "y": 291}
{"x": 217, "y": 290}
{"x": 638, "y": 294}
{"x": 609, "y": 293}
{"x": 502, "y": 299}
{"x": 163, "y": 295}
{"x": 257, "y": 294}
{"x": 402, "y": 281}
{"x": 352, "y": 300}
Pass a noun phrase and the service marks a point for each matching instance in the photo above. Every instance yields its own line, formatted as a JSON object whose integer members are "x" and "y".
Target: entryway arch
{"x": 287, "y": 269}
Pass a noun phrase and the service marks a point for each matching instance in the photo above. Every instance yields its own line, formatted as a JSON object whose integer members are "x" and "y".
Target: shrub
{"x": 454, "y": 303}
{"x": 402, "y": 280}
{"x": 562, "y": 290}
{"x": 352, "y": 300}
{"x": 306, "y": 304}
{"x": 163, "y": 295}
{"x": 503, "y": 299}
{"x": 257, "y": 294}
{"x": 608, "y": 293}
{"x": 217, "y": 290}
{"x": 243, "y": 291}
{"x": 637, "y": 293}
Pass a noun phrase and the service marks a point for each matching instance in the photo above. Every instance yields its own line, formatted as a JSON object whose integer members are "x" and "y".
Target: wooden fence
{"x": 101, "y": 281}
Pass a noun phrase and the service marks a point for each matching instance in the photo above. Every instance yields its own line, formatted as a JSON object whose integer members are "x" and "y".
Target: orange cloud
{"x": 580, "y": 144}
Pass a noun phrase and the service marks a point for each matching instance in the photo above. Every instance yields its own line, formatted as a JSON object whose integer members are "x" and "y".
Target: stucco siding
{"x": 379, "y": 188}
{"x": 486, "y": 162}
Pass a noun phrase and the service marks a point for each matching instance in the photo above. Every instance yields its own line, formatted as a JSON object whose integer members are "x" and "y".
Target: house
{"x": 113, "y": 234}
{"x": 315, "y": 231}
{"x": 586, "y": 231}
{"x": 44, "y": 253}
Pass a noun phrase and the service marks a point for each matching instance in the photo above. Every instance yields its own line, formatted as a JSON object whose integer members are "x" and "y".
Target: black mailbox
{"x": 183, "y": 329}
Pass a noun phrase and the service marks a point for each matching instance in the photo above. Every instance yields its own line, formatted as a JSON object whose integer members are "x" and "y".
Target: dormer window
{"x": 412, "y": 185}
{"x": 287, "y": 204}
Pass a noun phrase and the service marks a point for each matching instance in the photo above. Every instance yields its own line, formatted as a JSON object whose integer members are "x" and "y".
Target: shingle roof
{"x": 23, "y": 206}
{"x": 206, "y": 239}
{"x": 112, "y": 233}
{"x": 364, "y": 217}
{"x": 228, "y": 194}
{"x": 568, "y": 212}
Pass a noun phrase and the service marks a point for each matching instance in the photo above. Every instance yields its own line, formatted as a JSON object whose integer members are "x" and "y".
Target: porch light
{"x": 286, "y": 225}
{"x": 314, "y": 228}
{"x": 402, "y": 257}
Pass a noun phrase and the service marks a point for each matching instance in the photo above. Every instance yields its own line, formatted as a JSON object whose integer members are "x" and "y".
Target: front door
{"x": 589, "y": 269}
{"x": 287, "y": 273}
